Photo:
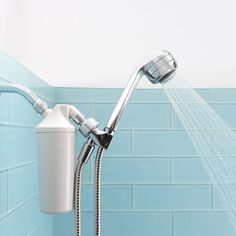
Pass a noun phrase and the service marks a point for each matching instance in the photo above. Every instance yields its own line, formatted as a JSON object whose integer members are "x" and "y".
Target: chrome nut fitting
{"x": 88, "y": 126}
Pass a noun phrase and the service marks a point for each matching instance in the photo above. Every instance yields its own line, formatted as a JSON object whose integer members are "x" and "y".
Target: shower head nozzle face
{"x": 160, "y": 68}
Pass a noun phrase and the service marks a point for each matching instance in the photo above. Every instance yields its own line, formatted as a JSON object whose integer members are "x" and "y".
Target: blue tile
{"x": 102, "y": 113}
{"x": 115, "y": 224}
{"x": 4, "y": 108}
{"x": 35, "y": 215}
{"x": 24, "y": 143}
{"x": 16, "y": 223}
{"x": 114, "y": 197}
{"x": 189, "y": 170}
{"x": 223, "y": 95}
{"x": 23, "y": 183}
{"x": 204, "y": 94}
{"x": 21, "y": 112}
{"x": 194, "y": 115}
{"x": 227, "y": 113}
{"x": 149, "y": 96}
{"x": 86, "y": 109}
{"x": 163, "y": 143}
{"x": 63, "y": 224}
{"x": 88, "y": 224}
{"x": 121, "y": 144}
{"x": 137, "y": 224}
{"x": 172, "y": 197}
{"x": 203, "y": 223}
{"x": 17, "y": 147}
{"x": 45, "y": 228}
{"x": 220, "y": 201}
{"x": 223, "y": 145}
{"x": 3, "y": 192}
{"x": 137, "y": 115}
{"x": 136, "y": 170}
{"x": 86, "y": 95}
{"x": 101, "y": 95}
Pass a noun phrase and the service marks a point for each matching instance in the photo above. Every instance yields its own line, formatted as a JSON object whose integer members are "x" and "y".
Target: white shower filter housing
{"x": 56, "y": 139}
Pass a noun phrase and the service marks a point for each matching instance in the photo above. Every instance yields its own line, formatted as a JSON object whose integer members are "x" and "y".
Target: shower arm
{"x": 40, "y": 106}
{"x": 88, "y": 127}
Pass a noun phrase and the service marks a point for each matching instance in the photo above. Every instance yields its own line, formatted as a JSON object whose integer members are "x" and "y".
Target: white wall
{"x": 98, "y": 43}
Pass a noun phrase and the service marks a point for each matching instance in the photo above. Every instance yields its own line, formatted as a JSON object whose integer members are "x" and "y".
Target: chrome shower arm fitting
{"x": 39, "y": 105}
{"x": 86, "y": 125}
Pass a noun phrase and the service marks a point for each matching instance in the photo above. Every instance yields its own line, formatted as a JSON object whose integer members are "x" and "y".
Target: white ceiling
{"x": 91, "y": 43}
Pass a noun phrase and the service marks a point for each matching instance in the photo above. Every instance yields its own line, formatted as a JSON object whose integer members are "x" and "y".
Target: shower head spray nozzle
{"x": 160, "y": 68}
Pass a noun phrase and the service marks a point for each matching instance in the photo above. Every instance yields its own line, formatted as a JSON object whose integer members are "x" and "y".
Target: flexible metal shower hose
{"x": 77, "y": 191}
{"x": 97, "y": 190}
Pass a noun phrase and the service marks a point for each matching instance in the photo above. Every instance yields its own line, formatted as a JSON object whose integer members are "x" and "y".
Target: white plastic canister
{"x": 56, "y": 138}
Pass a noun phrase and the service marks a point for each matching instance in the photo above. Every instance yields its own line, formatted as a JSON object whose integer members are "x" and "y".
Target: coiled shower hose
{"x": 97, "y": 192}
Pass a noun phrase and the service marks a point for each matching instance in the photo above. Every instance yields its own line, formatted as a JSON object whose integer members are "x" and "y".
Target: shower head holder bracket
{"x": 88, "y": 127}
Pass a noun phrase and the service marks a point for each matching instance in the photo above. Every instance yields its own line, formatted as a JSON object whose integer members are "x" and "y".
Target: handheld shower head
{"x": 158, "y": 68}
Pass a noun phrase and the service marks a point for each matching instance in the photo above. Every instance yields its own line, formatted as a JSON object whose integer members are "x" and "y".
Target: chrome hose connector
{"x": 88, "y": 126}
{"x": 40, "y": 106}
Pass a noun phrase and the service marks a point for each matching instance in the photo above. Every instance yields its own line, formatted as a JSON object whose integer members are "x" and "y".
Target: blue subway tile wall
{"x": 153, "y": 181}
{"x": 19, "y": 202}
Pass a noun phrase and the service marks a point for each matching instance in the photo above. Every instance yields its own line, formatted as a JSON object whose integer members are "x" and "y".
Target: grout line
{"x": 210, "y": 96}
{"x": 93, "y": 109}
{"x": 113, "y": 103}
{"x": 171, "y": 170}
{"x": 13, "y": 125}
{"x": 132, "y": 142}
{"x": 115, "y": 211}
{"x": 172, "y": 117}
{"x": 173, "y": 223}
{"x": 132, "y": 197}
{"x": 29, "y": 219}
{"x": 141, "y": 103}
{"x": 167, "y": 129}
{"x": 19, "y": 165}
{"x": 7, "y": 191}
{"x": 39, "y": 223}
{"x": 8, "y": 108}
{"x": 173, "y": 184}
{"x": 213, "y": 200}
{"x": 164, "y": 156}
{"x": 18, "y": 206}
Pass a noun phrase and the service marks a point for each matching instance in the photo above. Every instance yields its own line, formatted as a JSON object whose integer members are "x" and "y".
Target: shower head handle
{"x": 158, "y": 69}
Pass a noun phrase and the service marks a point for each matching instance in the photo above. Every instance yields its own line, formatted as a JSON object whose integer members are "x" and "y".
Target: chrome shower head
{"x": 160, "y": 68}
